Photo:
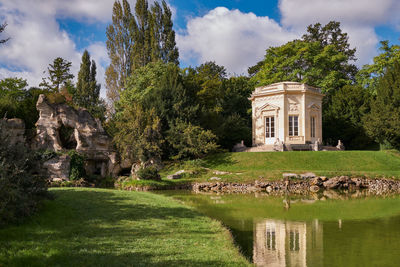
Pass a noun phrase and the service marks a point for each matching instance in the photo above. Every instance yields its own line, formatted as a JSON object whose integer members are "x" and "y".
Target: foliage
{"x": 59, "y": 76}
{"x": 148, "y": 173}
{"x": 344, "y": 118}
{"x": 138, "y": 134}
{"x": 370, "y": 74}
{"x": 383, "y": 122}
{"x": 21, "y": 188}
{"x": 16, "y": 101}
{"x": 321, "y": 58}
{"x": 191, "y": 141}
{"x": 134, "y": 40}
{"x": 77, "y": 165}
{"x": 87, "y": 91}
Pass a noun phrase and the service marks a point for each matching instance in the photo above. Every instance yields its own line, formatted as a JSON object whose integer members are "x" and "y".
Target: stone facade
{"x": 285, "y": 114}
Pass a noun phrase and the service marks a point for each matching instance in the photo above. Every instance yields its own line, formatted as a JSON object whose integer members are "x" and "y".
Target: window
{"x": 293, "y": 125}
{"x": 294, "y": 240}
{"x": 271, "y": 239}
{"x": 269, "y": 127}
{"x": 312, "y": 127}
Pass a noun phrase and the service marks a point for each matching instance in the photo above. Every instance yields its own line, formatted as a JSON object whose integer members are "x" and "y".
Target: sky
{"x": 233, "y": 33}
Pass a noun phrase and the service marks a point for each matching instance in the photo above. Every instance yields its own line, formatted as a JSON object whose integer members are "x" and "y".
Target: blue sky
{"x": 234, "y": 33}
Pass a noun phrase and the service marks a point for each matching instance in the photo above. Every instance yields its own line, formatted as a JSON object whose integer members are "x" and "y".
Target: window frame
{"x": 293, "y": 125}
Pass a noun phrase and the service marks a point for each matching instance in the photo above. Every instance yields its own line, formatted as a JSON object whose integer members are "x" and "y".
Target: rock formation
{"x": 61, "y": 127}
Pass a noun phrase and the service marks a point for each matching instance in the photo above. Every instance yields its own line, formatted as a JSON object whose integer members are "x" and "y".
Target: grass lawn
{"x": 99, "y": 227}
{"x": 247, "y": 167}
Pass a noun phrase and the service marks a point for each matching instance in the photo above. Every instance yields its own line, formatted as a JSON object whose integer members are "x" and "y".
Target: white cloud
{"x": 231, "y": 38}
{"x": 358, "y": 18}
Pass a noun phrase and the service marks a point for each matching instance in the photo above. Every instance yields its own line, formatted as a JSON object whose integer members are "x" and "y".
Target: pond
{"x": 307, "y": 231}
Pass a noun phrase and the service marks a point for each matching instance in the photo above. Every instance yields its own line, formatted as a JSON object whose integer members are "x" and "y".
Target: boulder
{"x": 307, "y": 175}
{"x": 332, "y": 183}
{"x": 58, "y": 167}
{"x": 314, "y": 188}
{"x": 177, "y": 175}
{"x": 215, "y": 178}
{"x": 290, "y": 175}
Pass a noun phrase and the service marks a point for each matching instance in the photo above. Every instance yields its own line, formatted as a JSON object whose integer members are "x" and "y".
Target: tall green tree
{"x": 344, "y": 118}
{"x": 383, "y": 122}
{"x": 59, "y": 75}
{"x": 87, "y": 92}
{"x": 321, "y": 58}
{"x": 169, "y": 51}
{"x": 369, "y": 75}
{"x": 17, "y": 101}
{"x": 138, "y": 134}
{"x": 120, "y": 41}
{"x": 134, "y": 40}
{"x": 142, "y": 45}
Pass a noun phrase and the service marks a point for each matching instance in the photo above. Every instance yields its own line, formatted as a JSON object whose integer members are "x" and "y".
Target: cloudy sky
{"x": 233, "y": 33}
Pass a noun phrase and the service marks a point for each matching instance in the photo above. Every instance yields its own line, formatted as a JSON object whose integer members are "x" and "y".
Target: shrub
{"x": 77, "y": 165}
{"x": 148, "y": 173}
{"x": 21, "y": 188}
{"x": 190, "y": 141}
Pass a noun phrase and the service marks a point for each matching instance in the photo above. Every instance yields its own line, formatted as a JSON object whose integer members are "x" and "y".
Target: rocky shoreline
{"x": 304, "y": 186}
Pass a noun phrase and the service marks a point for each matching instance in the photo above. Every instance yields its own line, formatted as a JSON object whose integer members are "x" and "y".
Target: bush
{"x": 77, "y": 165}
{"x": 21, "y": 188}
{"x": 148, "y": 173}
{"x": 190, "y": 141}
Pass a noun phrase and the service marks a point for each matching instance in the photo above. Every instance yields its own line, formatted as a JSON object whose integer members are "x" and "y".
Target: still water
{"x": 305, "y": 230}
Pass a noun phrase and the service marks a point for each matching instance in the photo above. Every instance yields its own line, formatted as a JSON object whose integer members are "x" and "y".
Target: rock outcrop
{"x": 61, "y": 127}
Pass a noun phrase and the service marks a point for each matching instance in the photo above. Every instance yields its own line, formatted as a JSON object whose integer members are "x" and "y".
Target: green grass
{"x": 247, "y": 167}
{"x": 99, "y": 227}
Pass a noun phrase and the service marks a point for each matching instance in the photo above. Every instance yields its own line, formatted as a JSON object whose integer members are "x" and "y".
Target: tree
{"x": 87, "y": 92}
{"x": 17, "y": 101}
{"x": 383, "y": 122}
{"x": 369, "y": 75}
{"x": 134, "y": 40}
{"x": 344, "y": 118}
{"x": 59, "y": 75}
{"x": 138, "y": 136}
{"x": 169, "y": 51}
{"x": 322, "y": 58}
{"x": 21, "y": 188}
{"x": 190, "y": 141}
{"x": 119, "y": 44}
{"x": 2, "y": 28}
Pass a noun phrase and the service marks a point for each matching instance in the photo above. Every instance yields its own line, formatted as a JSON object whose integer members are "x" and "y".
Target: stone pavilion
{"x": 287, "y": 116}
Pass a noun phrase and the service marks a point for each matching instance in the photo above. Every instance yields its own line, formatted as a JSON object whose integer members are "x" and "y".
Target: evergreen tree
{"x": 87, "y": 91}
{"x": 156, "y": 31}
{"x": 59, "y": 76}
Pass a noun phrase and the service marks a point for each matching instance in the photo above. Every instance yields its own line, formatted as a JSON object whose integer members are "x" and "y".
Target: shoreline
{"x": 319, "y": 184}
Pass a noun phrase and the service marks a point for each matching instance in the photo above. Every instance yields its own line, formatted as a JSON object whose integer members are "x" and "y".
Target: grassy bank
{"x": 247, "y": 167}
{"x": 97, "y": 227}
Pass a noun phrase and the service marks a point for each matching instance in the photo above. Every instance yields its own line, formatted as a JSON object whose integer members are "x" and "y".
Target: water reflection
{"x": 287, "y": 243}
{"x": 302, "y": 230}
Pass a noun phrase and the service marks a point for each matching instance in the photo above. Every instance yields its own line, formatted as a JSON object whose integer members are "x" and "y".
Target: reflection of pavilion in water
{"x": 286, "y": 243}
